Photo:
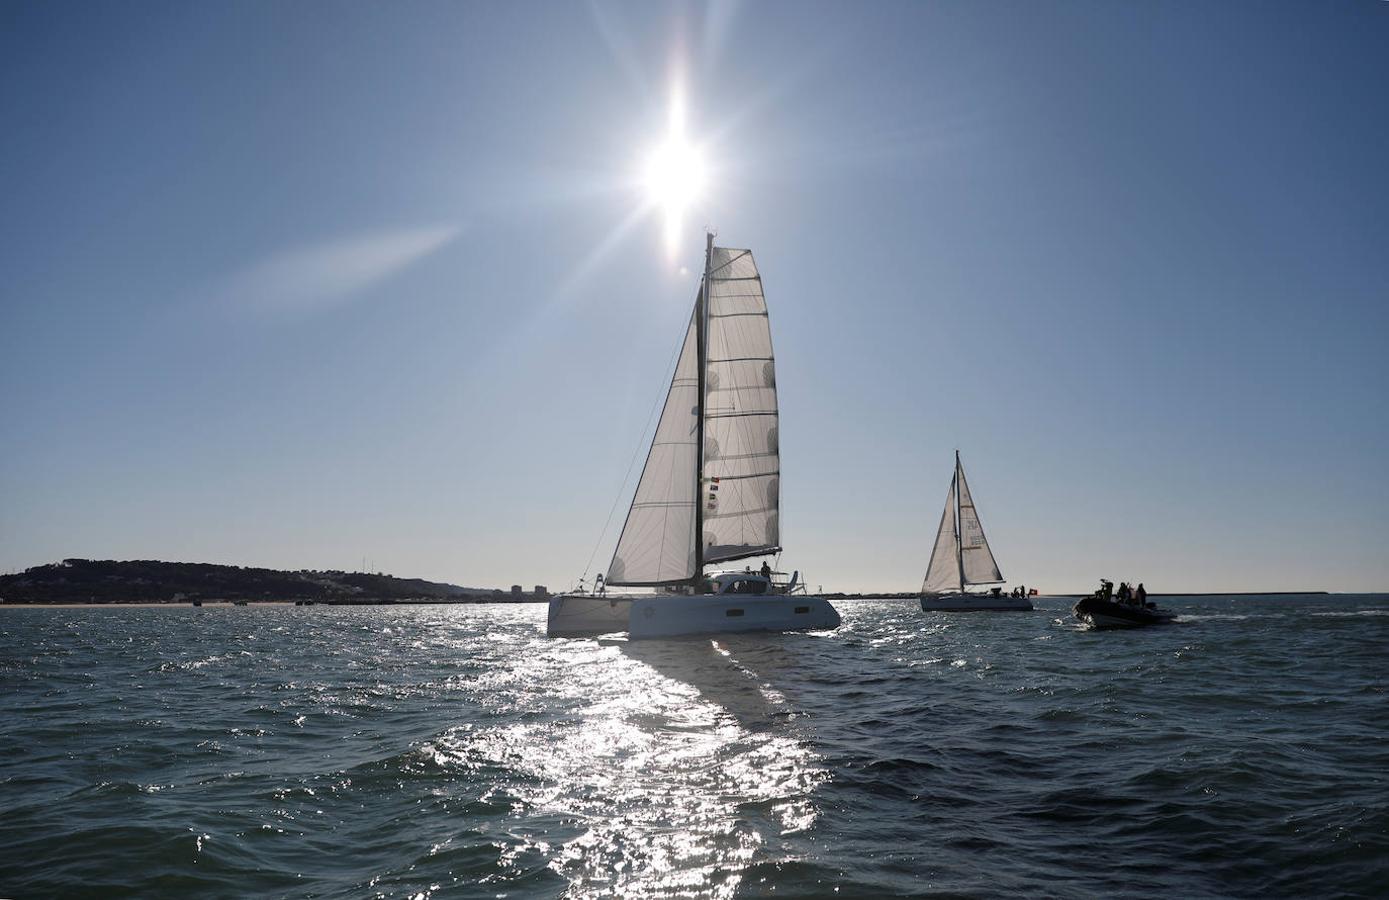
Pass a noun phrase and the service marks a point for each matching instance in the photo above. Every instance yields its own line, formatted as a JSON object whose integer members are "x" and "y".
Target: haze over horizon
{"x": 293, "y": 285}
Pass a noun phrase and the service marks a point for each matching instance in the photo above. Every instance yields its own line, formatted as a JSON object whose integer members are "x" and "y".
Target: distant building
{"x": 542, "y": 591}
{"x": 516, "y": 590}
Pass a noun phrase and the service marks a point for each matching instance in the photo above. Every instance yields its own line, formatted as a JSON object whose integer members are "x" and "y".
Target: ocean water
{"x": 455, "y": 751}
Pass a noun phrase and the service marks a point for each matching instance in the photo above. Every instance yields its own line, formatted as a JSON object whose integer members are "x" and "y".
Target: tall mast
{"x": 959, "y": 551}
{"x": 702, "y": 349}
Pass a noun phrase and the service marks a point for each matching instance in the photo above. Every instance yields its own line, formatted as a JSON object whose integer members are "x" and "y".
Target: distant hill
{"x": 152, "y": 581}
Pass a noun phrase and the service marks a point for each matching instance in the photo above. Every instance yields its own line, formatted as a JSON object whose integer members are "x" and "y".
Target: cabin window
{"x": 750, "y": 586}
{"x": 732, "y": 612}
{"x": 802, "y": 609}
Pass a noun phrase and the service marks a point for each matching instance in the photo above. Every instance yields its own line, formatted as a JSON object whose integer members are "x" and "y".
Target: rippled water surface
{"x": 455, "y": 751}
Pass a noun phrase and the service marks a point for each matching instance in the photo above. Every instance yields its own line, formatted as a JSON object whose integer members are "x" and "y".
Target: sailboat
{"x": 709, "y": 492}
{"x": 962, "y": 558}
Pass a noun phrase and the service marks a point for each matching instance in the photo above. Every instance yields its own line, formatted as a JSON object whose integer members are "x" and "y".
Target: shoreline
{"x": 907, "y": 596}
{"x": 832, "y": 596}
{"x": 210, "y": 604}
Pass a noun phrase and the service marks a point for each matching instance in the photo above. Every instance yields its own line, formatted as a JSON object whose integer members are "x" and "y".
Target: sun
{"x": 675, "y": 175}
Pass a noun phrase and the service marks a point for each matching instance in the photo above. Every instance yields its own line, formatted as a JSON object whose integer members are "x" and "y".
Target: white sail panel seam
{"x": 741, "y": 512}
{"x": 719, "y": 479}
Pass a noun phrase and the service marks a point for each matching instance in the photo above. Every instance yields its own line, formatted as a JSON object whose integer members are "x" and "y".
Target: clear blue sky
{"x": 291, "y": 284}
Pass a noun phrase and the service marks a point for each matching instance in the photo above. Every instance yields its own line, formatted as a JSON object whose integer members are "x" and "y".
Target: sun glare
{"x": 675, "y": 175}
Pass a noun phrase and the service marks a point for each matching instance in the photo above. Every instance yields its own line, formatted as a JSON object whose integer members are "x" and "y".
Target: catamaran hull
{"x": 664, "y": 616}
{"x": 581, "y": 616}
{"x": 678, "y": 615}
{"x": 973, "y": 603}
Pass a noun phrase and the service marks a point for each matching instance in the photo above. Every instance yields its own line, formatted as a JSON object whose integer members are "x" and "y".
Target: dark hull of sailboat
{"x": 973, "y": 603}
{"x": 1100, "y": 614}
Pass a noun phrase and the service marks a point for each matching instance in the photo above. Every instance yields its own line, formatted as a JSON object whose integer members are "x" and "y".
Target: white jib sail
{"x": 657, "y": 542}
{"x": 742, "y": 462}
{"x": 943, "y": 573}
{"x": 978, "y": 559}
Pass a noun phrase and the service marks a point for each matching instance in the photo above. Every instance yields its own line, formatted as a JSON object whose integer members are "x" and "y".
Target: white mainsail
{"x": 975, "y": 555}
{"x": 735, "y": 478}
{"x": 742, "y": 464}
{"x": 961, "y": 555}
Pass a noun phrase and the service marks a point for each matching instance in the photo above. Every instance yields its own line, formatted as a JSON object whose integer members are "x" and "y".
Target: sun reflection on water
{"x": 671, "y": 768}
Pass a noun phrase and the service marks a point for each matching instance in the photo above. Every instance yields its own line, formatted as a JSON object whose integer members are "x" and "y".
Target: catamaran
{"x": 962, "y": 558}
{"x": 708, "y": 494}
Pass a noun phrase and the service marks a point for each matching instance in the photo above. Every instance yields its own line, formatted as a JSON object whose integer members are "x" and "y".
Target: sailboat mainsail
{"x": 742, "y": 462}
{"x": 726, "y": 491}
{"x": 961, "y": 555}
{"x": 976, "y": 558}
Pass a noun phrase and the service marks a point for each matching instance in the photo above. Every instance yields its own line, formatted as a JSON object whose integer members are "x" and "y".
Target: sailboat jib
{"x": 742, "y": 461}
{"x": 975, "y": 555}
{"x": 943, "y": 573}
{"x": 657, "y": 542}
